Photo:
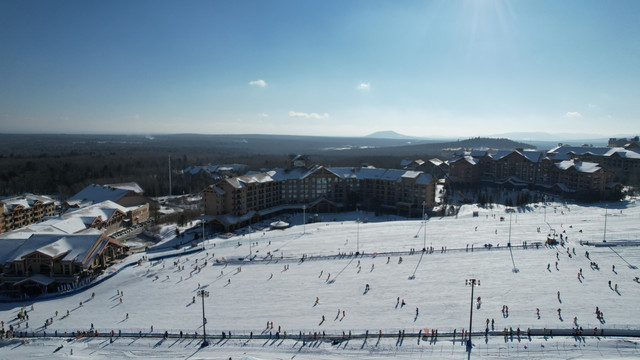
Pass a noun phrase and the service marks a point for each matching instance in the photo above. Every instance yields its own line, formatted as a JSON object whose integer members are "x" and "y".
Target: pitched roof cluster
{"x": 26, "y": 201}
{"x": 566, "y": 152}
{"x": 72, "y": 222}
{"x": 361, "y": 173}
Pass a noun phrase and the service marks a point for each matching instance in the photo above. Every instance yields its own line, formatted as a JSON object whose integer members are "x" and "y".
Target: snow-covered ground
{"x": 278, "y": 287}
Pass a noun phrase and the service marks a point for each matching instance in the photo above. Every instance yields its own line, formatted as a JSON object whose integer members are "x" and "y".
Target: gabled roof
{"x": 99, "y": 193}
{"x": 78, "y": 248}
{"x": 104, "y": 210}
{"x": 531, "y": 155}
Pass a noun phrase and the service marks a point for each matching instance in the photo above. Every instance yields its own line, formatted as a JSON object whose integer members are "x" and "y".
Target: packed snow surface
{"x": 307, "y": 279}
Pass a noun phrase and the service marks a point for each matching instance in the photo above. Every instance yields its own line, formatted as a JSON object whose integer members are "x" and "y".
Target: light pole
{"x": 202, "y": 234}
{"x": 358, "y": 237}
{"x": 510, "y": 213}
{"x": 604, "y": 237}
{"x": 250, "y": 242}
{"x": 203, "y": 294}
{"x": 545, "y": 208}
{"x": 472, "y": 283}
{"x": 424, "y": 218}
{"x": 304, "y": 219}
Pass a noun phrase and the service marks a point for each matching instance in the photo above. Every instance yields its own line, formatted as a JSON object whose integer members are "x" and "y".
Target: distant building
{"x": 127, "y": 195}
{"x": 556, "y": 169}
{"x": 623, "y": 142}
{"x": 20, "y": 211}
{"x": 239, "y": 200}
{"x": 217, "y": 171}
{"x": 416, "y": 164}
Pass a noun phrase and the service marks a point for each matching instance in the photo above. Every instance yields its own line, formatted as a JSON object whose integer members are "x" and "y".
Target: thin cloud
{"x": 262, "y": 115}
{"x": 573, "y": 114}
{"x": 592, "y": 106}
{"x": 308, "y": 115}
{"x": 261, "y": 83}
{"x": 364, "y": 86}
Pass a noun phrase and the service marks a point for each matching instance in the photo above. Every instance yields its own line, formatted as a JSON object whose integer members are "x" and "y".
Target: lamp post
{"x": 424, "y": 218}
{"x": 304, "y": 219}
{"x": 203, "y": 294}
{"x": 472, "y": 283}
{"x": 358, "y": 236}
{"x": 202, "y": 234}
{"x": 250, "y": 242}
{"x": 545, "y": 207}
{"x": 604, "y": 237}
{"x": 510, "y": 213}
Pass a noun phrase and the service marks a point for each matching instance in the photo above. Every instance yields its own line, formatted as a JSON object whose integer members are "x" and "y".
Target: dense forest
{"x": 62, "y": 165}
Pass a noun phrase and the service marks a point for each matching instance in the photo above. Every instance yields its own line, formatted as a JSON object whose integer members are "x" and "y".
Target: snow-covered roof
{"x": 71, "y": 247}
{"x": 104, "y": 210}
{"x": 131, "y": 186}
{"x": 531, "y": 155}
{"x": 72, "y": 222}
{"x": 582, "y": 166}
{"x": 214, "y": 169}
{"x": 564, "y": 152}
{"x": 99, "y": 193}
{"x": 436, "y": 161}
{"x": 467, "y": 158}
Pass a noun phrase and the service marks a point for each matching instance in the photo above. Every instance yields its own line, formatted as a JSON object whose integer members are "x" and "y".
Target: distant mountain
{"x": 389, "y": 135}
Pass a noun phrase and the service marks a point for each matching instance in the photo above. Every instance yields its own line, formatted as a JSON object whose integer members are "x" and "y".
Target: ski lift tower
{"x": 203, "y": 294}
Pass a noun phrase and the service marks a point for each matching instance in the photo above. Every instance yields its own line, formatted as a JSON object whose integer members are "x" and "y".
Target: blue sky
{"x": 338, "y": 68}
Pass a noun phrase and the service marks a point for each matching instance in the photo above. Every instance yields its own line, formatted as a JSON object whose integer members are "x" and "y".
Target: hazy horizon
{"x": 425, "y": 69}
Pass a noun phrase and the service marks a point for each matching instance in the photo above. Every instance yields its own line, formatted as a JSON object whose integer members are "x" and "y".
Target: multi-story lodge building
{"x": 24, "y": 210}
{"x": 236, "y": 201}
{"x": 34, "y": 264}
{"x": 527, "y": 167}
{"x": 623, "y": 161}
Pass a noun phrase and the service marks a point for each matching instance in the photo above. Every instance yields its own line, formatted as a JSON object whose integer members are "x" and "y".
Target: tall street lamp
{"x": 358, "y": 237}
{"x": 510, "y": 213}
{"x": 304, "y": 219}
{"x": 604, "y": 237}
{"x": 203, "y": 294}
{"x": 473, "y": 283}
{"x": 202, "y": 234}
{"x": 424, "y": 218}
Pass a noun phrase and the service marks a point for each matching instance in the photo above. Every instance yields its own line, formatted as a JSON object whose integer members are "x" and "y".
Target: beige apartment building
{"x": 237, "y": 201}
